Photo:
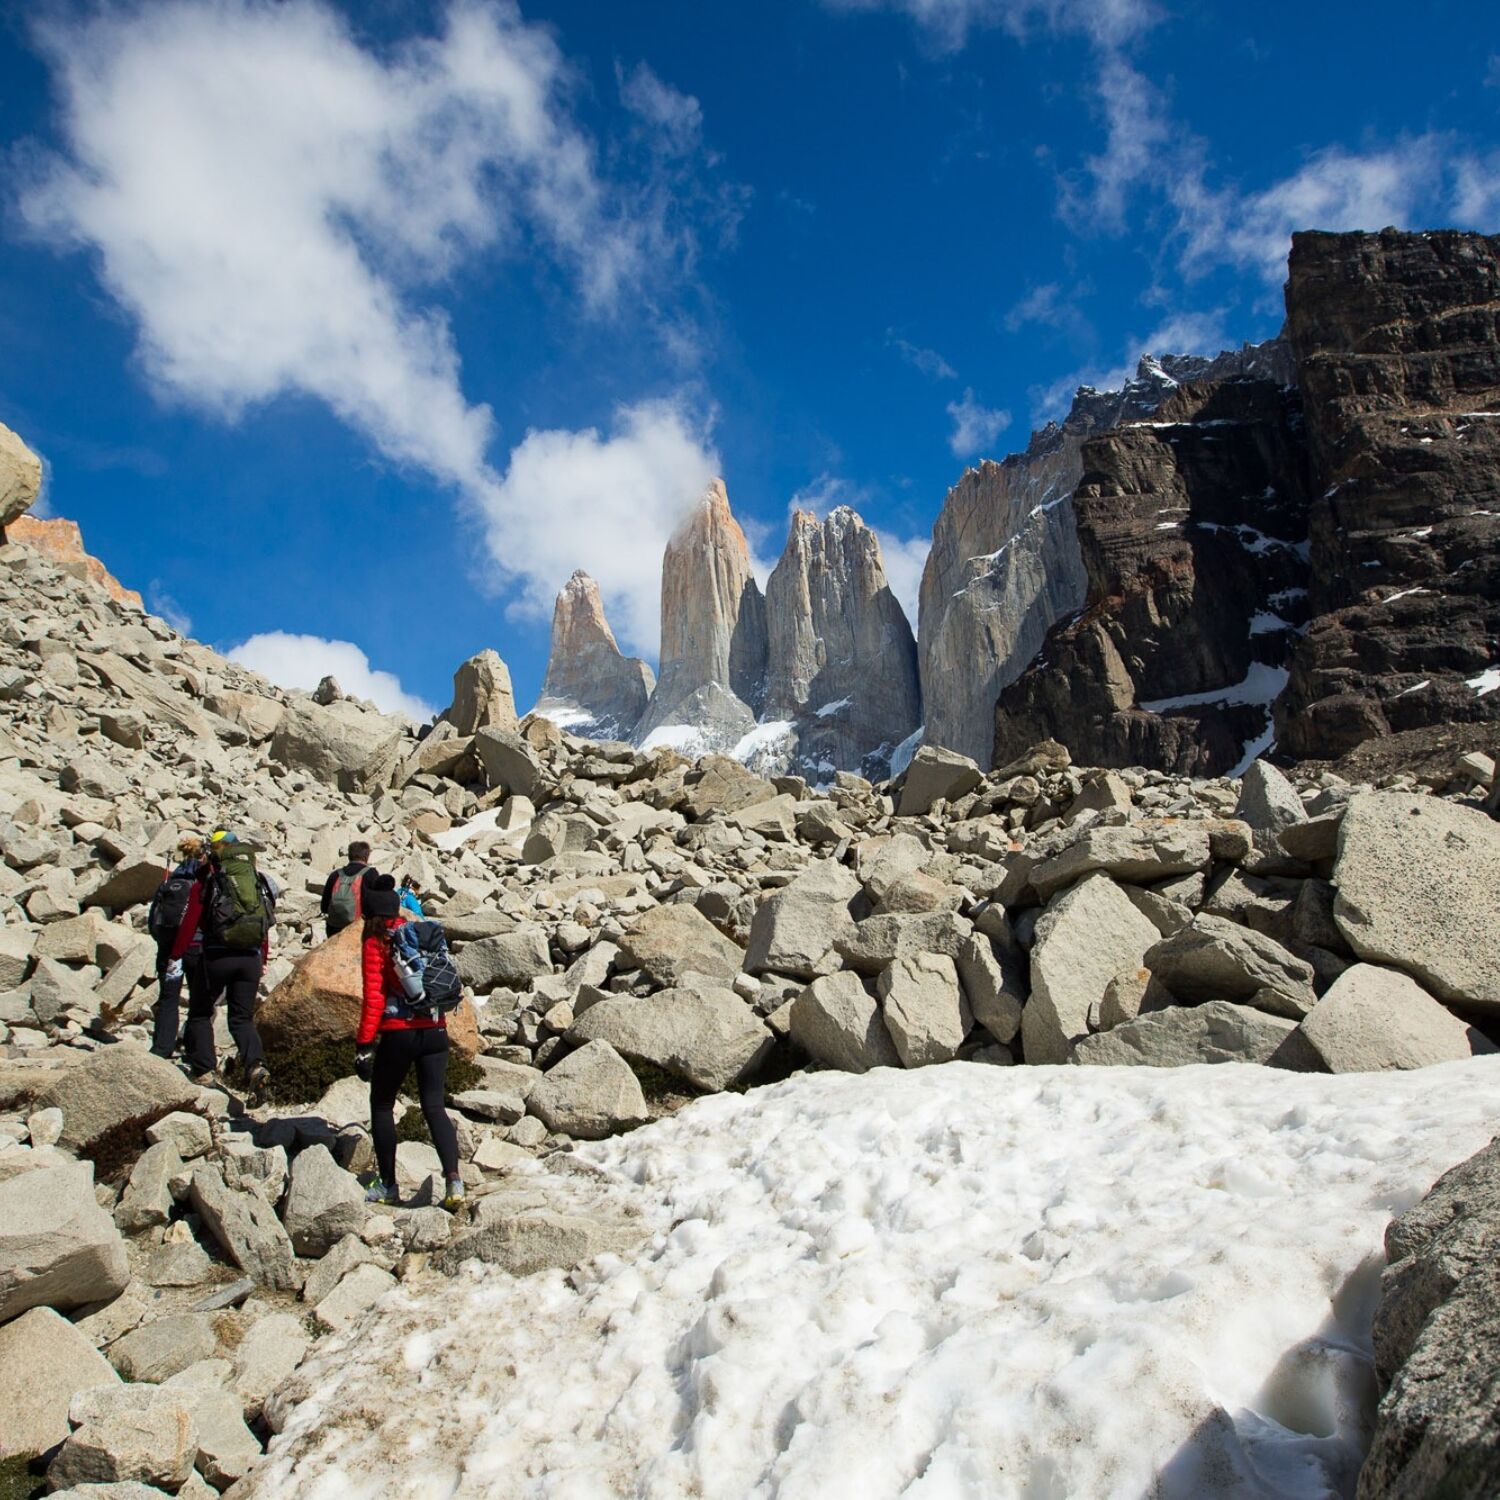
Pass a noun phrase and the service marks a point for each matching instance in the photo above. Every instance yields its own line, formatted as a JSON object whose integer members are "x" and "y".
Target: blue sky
{"x": 369, "y": 324}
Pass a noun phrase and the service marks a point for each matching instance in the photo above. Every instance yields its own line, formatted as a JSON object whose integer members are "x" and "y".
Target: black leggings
{"x": 235, "y": 974}
{"x": 427, "y": 1047}
{"x": 166, "y": 1013}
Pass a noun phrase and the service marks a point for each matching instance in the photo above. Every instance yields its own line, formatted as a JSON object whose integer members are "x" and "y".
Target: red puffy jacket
{"x": 380, "y": 981}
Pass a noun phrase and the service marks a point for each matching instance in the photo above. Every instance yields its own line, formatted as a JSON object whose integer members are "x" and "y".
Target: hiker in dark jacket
{"x": 232, "y": 968}
{"x": 341, "y": 902}
{"x": 171, "y": 972}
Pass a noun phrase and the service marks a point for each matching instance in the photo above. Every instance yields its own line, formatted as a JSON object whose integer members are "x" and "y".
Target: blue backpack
{"x": 426, "y": 971}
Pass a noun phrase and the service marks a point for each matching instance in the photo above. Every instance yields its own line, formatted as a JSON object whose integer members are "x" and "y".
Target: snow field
{"x": 1050, "y": 1283}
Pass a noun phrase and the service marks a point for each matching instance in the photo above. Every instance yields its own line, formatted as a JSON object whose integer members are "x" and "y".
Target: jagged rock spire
{"x": 842, "y": 658}
{"x": 592, "y": 687}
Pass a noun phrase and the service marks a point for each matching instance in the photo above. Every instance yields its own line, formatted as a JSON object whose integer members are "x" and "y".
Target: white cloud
{"x": 948, "y": 23}
{"x": 1335, "y": 190}
{"x": 928, "y": 361}
{"x": 1476, "y": 191}
{"x": 301, "y": 662}
{"x": 1137, "y": 132}
{"x": 904, "y": 559}
{"x": 268, "y": 199}
{"x": 974, "y": 426}
{"x": 160, "y": 602}
{"x": 604, "y": 502}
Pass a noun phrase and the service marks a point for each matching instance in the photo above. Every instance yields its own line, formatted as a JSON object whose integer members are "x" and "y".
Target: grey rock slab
{"x": 159, "y": 1349}
{"x": 58, "y": 1247}
{"x": 1084, "y": 938}
{"x": 1419, "y": 889}
{"x": 491, "y": 1104}
{"x": 1372, "y": 1019}
{"x": 1313, "y": 841}
{"x": 140, "y": 1433}
{"x": 707, "y": 1036}
{"x": 340, "y": 743}
{"x": 272, "y": 1348}
{"x": 1437, "y": 1342}
{"x": 323, "y": 1202}
{"x": 878, "y": 942}
{"x": 354, "y": 1296}
{"x": 226, "y": 1447}
{"x": 113, "y": 1087}
{"x": 1138, "y": 853}
{"x": 1268, "y": 802}
{"x": 993, "y": 985}
{"x": 350, "y": 1251}
{"x": 1215, "y": 1032}
{"x": 924, "y": 1008}
{"x": 182, "y": 1264}
{"x": 508, "y": 1077}
{"x": 246, "y": 1227}
{"x": 44, "y": 1362}
{"x": 590, "y": 1094}
{"x": 668, "y": 942}
{"x": 935, "y": 774}
{"x": 1215, "y": 959}
{"x": 508, "y": 760}
{"x": 147, "y": 1200}
{"x": 796, "y": 930}
{"x": 837, "y": 1022}
{"x": 511, "y": 959}
{"x": 531, "y": 1242}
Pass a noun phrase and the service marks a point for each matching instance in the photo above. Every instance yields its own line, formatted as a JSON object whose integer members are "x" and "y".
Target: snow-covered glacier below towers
{"x": 960, "y": 1281}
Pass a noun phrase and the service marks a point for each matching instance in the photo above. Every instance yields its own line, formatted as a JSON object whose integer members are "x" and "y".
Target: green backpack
{"x": 239, "y": 908}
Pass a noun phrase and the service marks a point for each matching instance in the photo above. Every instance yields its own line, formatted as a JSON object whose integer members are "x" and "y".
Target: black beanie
{"x": 378, "y": 896}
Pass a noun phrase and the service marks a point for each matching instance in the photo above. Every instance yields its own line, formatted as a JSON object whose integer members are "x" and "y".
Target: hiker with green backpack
{"x": 341, "y": 902}
{"x": 232, "y": 905}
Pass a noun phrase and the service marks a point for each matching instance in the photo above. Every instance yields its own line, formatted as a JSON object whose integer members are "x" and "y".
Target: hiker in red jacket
{"x": 392, "y": 1040}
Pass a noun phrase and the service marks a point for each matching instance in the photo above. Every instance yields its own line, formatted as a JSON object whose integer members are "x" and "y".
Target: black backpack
{"x": 169, "y": 906}
{"x": 442, "y": 989}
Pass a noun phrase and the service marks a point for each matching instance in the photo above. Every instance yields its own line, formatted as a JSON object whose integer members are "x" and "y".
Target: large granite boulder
{"x": 482, "y": 696}
{"x": 1216, "y": 1032}
{"x": 836, "y": 1021}
{"x": 707, "y": 1036}
{"x": 670, "y": 942}
{"x": 45, "y": 1361}
{"x": 341, "y": 743}
{"x": 114, "y": 1089}
{"x": 1086, "y": 937}
{"x": 1437, "y": 1343}
{"x": 58, "y": 1248}
{"x": 1373, "y": 1018}
{"x": 1215, "y": 959}
{"x": 925, "y": 1010}
{"x": 796, "y": 930}
{"x": 20, "y": 477}
{"x": 1419, "y": 889}
{"x": 590, "y": 1094}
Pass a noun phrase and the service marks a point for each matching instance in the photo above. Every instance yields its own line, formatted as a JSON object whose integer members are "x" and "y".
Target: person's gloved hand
{"x": 364, "y": 1062}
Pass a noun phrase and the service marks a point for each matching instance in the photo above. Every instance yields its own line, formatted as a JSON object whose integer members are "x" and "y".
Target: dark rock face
{"x": 1397, "y": 342}
{"x": 1192, "y": 530}
{"x": 843, "y": 665}
{"x": 1005, "y": 564}
{"x": 1437, "y": 1343}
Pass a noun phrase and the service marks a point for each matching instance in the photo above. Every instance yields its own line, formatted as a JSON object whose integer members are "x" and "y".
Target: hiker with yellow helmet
{"x": 232, "y": 906}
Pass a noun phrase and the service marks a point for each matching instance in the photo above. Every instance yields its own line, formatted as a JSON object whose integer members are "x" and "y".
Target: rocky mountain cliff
{"x": 1333, "y": 563}
{"x": 1397, "y": 341}
{"x": 1005, "y": 563}
{"x": 713, "y": 635}
{"x": 1192, "y": 528}
{"x": 842, "y": 663}
{"x": 592, "y": 688}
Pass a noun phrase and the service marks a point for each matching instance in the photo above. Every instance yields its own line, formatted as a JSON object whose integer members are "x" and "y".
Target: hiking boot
{"x": 258, "y": 1080}
{"x": 453, "y": 1199}
{"x": 383, "y": 1195}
